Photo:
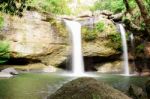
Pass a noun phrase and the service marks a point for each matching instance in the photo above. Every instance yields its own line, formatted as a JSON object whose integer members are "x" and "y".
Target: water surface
{"x": 39, "y": 86}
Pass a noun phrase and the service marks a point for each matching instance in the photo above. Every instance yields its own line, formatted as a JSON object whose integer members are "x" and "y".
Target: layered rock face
{"x": 32, "y": 38}
{"x": 100, "y": 44}
{"x": 39, "y": 37}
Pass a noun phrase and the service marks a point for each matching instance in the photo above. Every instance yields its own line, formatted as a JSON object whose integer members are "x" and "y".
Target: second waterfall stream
{"x": 125, "y": 50}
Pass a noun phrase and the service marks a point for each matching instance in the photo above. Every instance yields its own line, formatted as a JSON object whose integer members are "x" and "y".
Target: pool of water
{"x": 40, "y": 85}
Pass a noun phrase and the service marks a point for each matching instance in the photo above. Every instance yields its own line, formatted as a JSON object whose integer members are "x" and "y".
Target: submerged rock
{"x": 10, "y": 71}
{"x": 87, "y": 88}
{"x": 147, "y": 87}
{"x": 5, "y": 75}
{"x": 136, "y": 92}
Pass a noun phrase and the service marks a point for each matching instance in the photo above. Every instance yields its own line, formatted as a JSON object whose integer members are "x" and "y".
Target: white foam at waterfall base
{"x": 125, "y": 50}
{"x": 77, "y": 58}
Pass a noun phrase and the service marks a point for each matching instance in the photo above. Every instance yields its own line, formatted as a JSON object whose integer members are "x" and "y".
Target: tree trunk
{"x": 145, "y": 14}
{"x": 128, "y": 9}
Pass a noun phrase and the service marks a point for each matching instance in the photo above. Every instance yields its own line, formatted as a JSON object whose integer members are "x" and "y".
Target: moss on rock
{"x": 103, "y": 28}
{"x": 97, "y": 41}
{"x": 59, "y": 28}
{"x": 87, "y": 88}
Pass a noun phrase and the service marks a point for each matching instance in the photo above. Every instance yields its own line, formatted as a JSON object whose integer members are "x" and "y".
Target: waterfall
{"x": 133, "y": 50}
{"x": 77, "y": 58}
{"x": 132, "y": 44}
{"x": 125, "y": 50}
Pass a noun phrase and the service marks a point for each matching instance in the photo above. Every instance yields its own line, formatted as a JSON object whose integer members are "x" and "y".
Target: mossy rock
{"x": 87, "y": 88}
{"x": 102, "y": 39}
{"x": 59, "y": 27}
{"x": 101, "y": 29}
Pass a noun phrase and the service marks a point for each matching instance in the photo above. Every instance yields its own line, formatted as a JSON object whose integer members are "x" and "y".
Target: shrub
{"x": 116, "y": 41}
{"x": 140, "y": 48}
{"x": 89, "y": 34}
{"x": 100, "y": 26}
{"x": 4, "y": 52}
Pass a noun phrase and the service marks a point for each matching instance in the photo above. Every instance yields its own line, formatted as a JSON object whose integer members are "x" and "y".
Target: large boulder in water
{"x": 87, "y": 88}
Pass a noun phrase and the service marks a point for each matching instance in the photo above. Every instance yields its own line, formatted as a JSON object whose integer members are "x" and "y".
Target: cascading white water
{"x": 133, "y": 50}
{"x": 125, "y": 50}
{"x": 77, "y": 58}
{"x": 132, "y": 43}
{"x": 132, "y": 38}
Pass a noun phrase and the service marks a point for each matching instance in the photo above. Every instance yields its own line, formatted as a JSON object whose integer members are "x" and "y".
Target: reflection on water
{"x": 30, "y": 86}
{"x": 39, "y": 86}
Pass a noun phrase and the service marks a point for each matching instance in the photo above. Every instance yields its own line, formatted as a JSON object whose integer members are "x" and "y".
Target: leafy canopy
{"x": 115, "y": 6}
{"x": 16, "y": 7}
{"x": 12, "y": 6}
{"x": 111, "y": 5}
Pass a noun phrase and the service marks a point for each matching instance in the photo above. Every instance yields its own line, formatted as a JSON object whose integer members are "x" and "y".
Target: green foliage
{"x": 53, "y": 6}
{"x": 4, "y": 51}
{"x": 13, "y": 7}
{"x": 100, "y": 26}
{"x": 115, "y": 6}
{"x": 111, "y": 5}
{"x": 140, "y": 48}
{"x": 89, "y": 34}
{"x": 16, "y": 7}
{"x": 147, "y": 3}
{"x": 142, "y": 25}
{"x": 116, "y": 40}
{"x": 135, "y": 16}
{"x": 1, "y": 22}
{"x": 132, "y": 4}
